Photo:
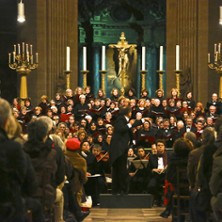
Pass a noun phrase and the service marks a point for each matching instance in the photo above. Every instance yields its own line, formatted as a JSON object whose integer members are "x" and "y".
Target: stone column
{"x": 151, "y": 82}
{"x": 51, "y": 26}
{"x": 187, "y": 25}
{"x": 95, "y": 75}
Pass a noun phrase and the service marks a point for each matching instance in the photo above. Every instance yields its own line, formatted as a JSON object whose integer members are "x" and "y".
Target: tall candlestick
{"x": 67, "y": 58}
{"x": 208, "y": 57}
{"x": 219, "y": 47}
{"x": 103, "y": 61}
{"x": 19, "y": 49}
{"x": 143, "y": 58}
{"x": 84, "y": 59}
{"x": 177, "y": 57}
{"x": 161, "y": 59}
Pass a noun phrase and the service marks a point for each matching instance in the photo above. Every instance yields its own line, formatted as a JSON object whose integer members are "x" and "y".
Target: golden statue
{"x": 123, "y": 51}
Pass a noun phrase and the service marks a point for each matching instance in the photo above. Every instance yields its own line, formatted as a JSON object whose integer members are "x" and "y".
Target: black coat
{"x": 14, "y": 177}
{"x": 121, "y": 137}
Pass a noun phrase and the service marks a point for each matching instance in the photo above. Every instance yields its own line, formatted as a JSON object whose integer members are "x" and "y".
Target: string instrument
{"x": 102, "y": 157}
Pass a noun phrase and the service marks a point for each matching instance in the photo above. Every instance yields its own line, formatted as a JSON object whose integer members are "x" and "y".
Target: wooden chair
{"x": 181, "y": 196}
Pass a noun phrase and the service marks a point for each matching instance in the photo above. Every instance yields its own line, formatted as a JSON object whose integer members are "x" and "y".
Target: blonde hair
{"x": 5, "y": 112}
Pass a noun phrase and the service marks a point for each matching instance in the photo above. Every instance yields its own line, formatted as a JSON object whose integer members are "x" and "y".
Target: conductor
{"x": 119, "y": 148}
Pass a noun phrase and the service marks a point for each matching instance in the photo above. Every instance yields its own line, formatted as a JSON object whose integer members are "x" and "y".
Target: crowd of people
{"x": 59, "y": 152}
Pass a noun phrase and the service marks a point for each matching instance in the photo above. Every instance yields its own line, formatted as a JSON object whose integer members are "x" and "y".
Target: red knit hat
{"x": 73, "y": 144}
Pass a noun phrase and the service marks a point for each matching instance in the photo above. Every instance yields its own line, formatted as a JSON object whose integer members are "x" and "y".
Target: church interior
{"x": 136, "y": 82}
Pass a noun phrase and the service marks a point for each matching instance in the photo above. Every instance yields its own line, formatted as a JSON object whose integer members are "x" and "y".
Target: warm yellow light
{"x": 220, "y": 19}
{"x": 21, "y": 12}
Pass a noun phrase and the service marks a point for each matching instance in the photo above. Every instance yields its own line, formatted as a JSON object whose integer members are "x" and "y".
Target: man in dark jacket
{"x": 119, "y": 148}
{"x": 12, "y": 172}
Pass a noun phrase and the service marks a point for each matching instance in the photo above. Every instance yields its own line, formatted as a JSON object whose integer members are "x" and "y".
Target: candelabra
{"x": 143, "y": 79}
{"x": 160, "y": 72}
{"x": 178, "y": 72}
{"x": 217, "y": 64}
{"x": 67, "y": 74}
{"x": 84, "y": 73}
{"x": 103, "y": 80}
{"x": 22, "y": 60}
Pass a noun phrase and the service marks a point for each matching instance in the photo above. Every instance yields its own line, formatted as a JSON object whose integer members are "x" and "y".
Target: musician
{"x": 139, "y": 176}
{"x": 119, "y": 148}
{"x": 157, "y": 166}
{"x": 96, "y": 179}
{"x": 166, "y": 133}
{"x": 146, "y": 135}
{"x": 82, "y": 108}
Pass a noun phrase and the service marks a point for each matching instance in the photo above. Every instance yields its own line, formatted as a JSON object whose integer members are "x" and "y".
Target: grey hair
{"x": 5, "y": 112}
{"x": 48, "y": 121}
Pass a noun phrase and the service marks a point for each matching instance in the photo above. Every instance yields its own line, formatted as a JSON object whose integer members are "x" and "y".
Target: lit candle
{"x": 219, "y": 47}
{"x": 19, "y": 49}
{"x": 27, "y": 55}
{"x": 220, "y": 19}
{"x": 9, "y": 58}
{"x": 30, "y": 49}
{"x": 208, "y": 57}
{"x": 23, "y": 48}
{"x": 67, "y": 58}
{"x": 15, "y": 49}
{"x": 13, "y": 57}
{"x": 177, "y": 57}
{"x": 27, "y": 48}
{"x": 31, "y": 59}
{"x": 84, "y": 59}
{"x": 215, "y": 48}
{"x": 143, "y": 58}
{"x": 37, "y": 57}
{"x": 103, "y": 62}
{"x": 216, "y": 57}
{"x": 161, "y": 59}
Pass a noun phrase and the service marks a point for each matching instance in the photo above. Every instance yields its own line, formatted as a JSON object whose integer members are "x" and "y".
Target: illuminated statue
{"x": 123, "y": 50}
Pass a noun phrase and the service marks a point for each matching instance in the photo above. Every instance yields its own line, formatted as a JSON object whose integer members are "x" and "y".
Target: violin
{"x": 102, "y": 157}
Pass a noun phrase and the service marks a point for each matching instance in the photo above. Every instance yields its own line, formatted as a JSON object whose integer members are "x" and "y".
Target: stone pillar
{"x": 187, "y": 25}
{"x": 96, "y": 67}
{"x": 51, "y": 26}
{"x": 152, "y": 68}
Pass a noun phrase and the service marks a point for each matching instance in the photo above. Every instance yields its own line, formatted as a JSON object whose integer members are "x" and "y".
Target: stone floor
{"x": 129, "y": 215}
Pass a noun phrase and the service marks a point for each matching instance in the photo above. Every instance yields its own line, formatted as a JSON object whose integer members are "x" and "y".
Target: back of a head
{"x": 48, "y": 121}
{"x": 37, "y": 131}
{"x": 125, "y": 110}
{"x": 208, "y": 136}
{"x": 5, "y": 112}
{"x": 191, "y": 137}
{"x": 182, "y": 147}
{"x": 218, "y": 128}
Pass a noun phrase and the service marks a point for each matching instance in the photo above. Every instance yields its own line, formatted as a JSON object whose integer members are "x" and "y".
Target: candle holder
{"x": 67, "y": 74}
{"x": 178, "y": 72}
{"x": 160, "y": 72}
{"x": 143, "y": 79}
{"x": 217, "y": 65}
{"x": 103, "y": 80}
{"x": 84, "y": 74}
{"x": 23, "y": 62}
